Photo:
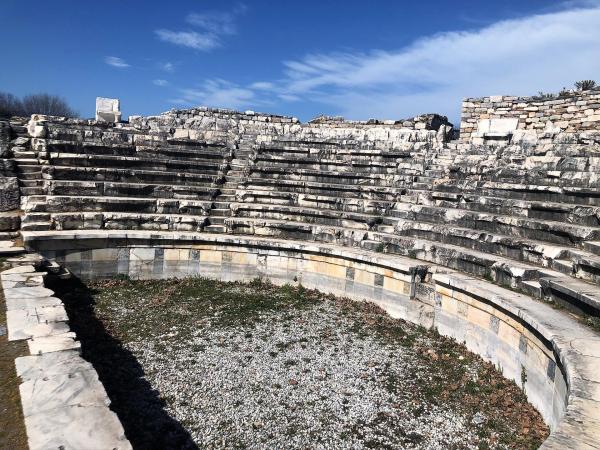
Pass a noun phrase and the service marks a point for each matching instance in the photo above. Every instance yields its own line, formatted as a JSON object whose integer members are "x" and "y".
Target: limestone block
{"x": 108, "y": 109}
{"x": 500, "y": 126}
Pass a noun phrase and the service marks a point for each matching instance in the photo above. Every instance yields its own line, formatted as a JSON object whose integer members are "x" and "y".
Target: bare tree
{"x": 47, "y": 104}
{"x": 51, "y": 105}
{"x": 10, "y": 105}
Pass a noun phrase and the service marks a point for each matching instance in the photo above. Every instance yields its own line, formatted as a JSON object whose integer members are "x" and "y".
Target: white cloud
{"x": 161, "y": 83}
{"x": 219, "y": 23}
{"x": 191, "y": 39}
{"x": 262, "y": 85}
{"x": 519, "y": 56}
{"x": 167, "y": 67}
{"x": 213, "y": 26}
{"x": 219, "y": 93}
{"x": 522, "y": 56}
{"x": 115, "y": 62}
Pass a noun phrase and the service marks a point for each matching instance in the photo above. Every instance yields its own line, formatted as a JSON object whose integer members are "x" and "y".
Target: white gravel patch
{"x": 302, "y": 378}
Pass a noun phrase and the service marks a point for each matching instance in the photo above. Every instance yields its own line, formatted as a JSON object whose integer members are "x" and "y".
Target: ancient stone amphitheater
{"x": 492, "y": 238}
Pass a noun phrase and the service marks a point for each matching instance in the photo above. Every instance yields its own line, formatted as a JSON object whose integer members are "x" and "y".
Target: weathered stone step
{"x": 223, "y": 212}
{"x": 26, "y": 161}
{"x": 30, "y": 175}
{"x": 592, "y": 246}
{"x": 127, "y": 175}
{"x": 27, "y": 191}
{"x": 536, "y": 229}
{"x": 35, "y": 217}
{"x": 24, "y": 155}
{"x": 127, "y": 221}
{"x": 58, "y": 204}
{"x": 31, "y": 183}
{"x": 139, "y": 163}
{"x": 217, "y": 220}
{"x": 215, "y": 228}
{"x": 21, "y": 169}
{"x": 575, "y": 293}
{"x": 36, "y": 226}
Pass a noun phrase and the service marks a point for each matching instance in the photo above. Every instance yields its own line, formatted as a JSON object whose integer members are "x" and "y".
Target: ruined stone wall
{"x": 497, "y": 115}
{"x": 9, "y": 187}
{"x": 251, "y": 128}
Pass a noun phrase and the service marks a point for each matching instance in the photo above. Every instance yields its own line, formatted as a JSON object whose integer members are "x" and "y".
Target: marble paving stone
{"x": 50, "y": 364}
{"x": 36, "y": 322}
{"x": 76, "y": 428}
{"x": 19, "y": 269}
{"x": 25, "y": 292}
{"x": 56, "y": 343}
{"x": 57, "y": 391}
{"x": 33, "y": 302}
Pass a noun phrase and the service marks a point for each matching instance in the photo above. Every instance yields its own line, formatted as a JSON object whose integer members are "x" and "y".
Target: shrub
{"x": 585, "y": 85}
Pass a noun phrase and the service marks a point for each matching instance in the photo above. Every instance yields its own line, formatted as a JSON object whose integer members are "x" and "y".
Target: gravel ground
{"x": 257, "y": 366}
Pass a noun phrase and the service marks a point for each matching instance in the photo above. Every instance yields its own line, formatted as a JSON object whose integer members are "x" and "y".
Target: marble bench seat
{"x": 126, "y": 221}
{"x": 567, "y": 260}
{"x": 57, "y": 204}
{"x": 320, "y": 164}
{"x": 523, "y": 191}
{"x": 305, "y": 215}
{"x": 316, "y": 188}
{"x": 537, "y": 229}
{"x": 127, "y": 175}
{"x": 145, "y": 190}
{"x": 350, "y": 204}
{"x": 137, "y": 162}
{"x": 89, "y": 148}
{"x": 185, "y": 153}
{"x": 332, "y": 177}
{"x": 472, "y": 201}
{"x": 505, "y": 271}
{"x": 547, "y": 178}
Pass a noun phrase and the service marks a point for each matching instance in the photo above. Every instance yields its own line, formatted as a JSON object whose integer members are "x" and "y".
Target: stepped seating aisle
{"x": 468, "y": 212}
{"x": 318, "y": 183}
{"x": 95, "y": 177}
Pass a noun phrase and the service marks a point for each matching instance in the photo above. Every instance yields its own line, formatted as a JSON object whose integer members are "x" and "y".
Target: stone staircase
{"x": 235, "y": 175}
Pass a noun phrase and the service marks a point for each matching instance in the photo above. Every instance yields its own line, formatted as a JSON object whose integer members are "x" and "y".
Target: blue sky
{"x": 384, "y": 59}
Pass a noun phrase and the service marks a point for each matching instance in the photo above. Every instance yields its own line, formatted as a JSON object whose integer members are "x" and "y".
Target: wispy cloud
{"x": 217, "y": 92}
{"x": 116, "y": 62}
{"x": 167, "y": 67}
{"x": 161, "y": 83}
{"x": 212, "y": 26}
{"x": 517, "y": 56}
{"x": 263, "y": 85}
{"x": 191, "y": 39}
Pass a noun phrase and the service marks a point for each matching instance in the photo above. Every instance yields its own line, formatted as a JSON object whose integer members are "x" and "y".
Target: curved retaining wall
{"x": 552, "y": 356}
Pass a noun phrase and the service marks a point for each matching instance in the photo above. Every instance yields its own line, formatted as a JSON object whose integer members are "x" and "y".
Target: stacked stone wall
{"x": 573, "y": 112}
